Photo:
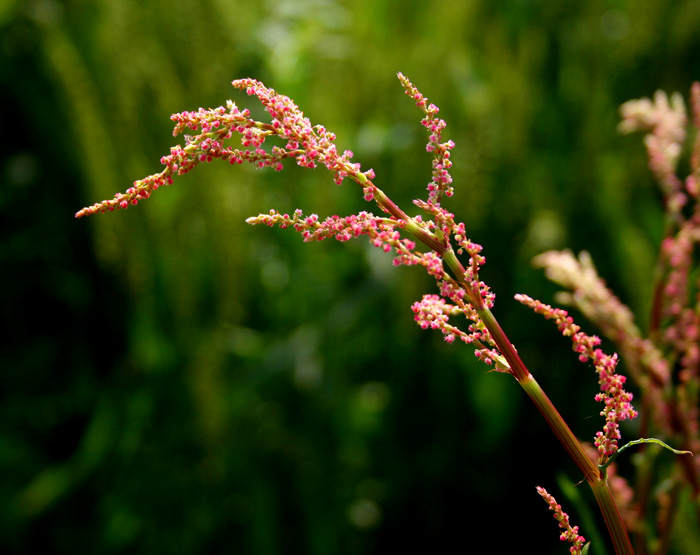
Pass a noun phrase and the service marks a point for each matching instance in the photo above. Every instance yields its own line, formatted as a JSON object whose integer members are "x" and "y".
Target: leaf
{"x": 637, "y": 442}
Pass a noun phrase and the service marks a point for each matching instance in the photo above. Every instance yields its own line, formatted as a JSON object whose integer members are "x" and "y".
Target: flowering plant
{"x": 436, "y": 241}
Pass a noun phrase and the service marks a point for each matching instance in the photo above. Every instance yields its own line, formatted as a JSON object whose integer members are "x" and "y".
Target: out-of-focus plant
{"x": 664, "y": 365}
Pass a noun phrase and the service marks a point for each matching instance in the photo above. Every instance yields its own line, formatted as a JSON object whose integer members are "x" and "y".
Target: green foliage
{"x": 175, "y": 381}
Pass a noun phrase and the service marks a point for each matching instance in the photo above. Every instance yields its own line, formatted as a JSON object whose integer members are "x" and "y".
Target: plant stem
{"x": 564, "y": 434}
{"x": 596, "y": 479}
{"x": 612, "y": 517}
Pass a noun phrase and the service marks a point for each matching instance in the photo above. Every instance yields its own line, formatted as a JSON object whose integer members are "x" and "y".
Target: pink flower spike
{"x": 441, "y": 183}
{"x": 617, "y": 401}
{"x": 664, "y": 119}
{"x": 569, "y": 533}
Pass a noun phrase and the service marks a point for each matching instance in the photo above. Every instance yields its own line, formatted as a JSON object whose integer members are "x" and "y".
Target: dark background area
{"x": 175, "y": 381}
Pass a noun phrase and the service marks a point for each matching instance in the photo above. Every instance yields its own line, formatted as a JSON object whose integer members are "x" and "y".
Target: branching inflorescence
{"x": 310, "y": 146}
{"x": 454, "y": 261}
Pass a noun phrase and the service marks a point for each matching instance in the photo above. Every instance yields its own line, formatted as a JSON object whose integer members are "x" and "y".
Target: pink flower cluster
{"x": 570, "y": 534}
{"x": 683, "y": 321}
{"x": 382, "y": 231}
{"x": 617, "y": 401}
{"x": 311, "y": 146}
{"x": 665, "y": 124}
{"x": 442, "y": 180}
{"x": 433, "y": 312}
{"x": 664, "y": 362}
{"x": 589, "y": 294}
{"x": 666, "y": 119}
{"x": 675, "y": 325}
{"x": 675, "y": 321}
{"x": 308, "y": 145}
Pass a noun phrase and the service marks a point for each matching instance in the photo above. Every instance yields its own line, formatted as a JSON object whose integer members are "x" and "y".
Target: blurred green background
{"x": 174, "y": 381}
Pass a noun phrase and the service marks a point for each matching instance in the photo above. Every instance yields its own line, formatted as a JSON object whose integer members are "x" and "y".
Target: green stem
{"x": 612, "y": 517}
{"x": 561, "y": 430}
{"x": 390, "y": 207}
{"x": 595, "y": 478}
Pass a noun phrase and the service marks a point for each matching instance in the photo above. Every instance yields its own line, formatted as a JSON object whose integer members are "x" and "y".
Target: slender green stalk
{"x": 596, "y": 478}
{"x": 612, "y": 517}
{"x": 564, "y": 434}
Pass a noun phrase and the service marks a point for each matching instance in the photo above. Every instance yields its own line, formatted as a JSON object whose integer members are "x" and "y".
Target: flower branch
{"x": 570, "y": 533}
{"x": 451, "y": 258}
